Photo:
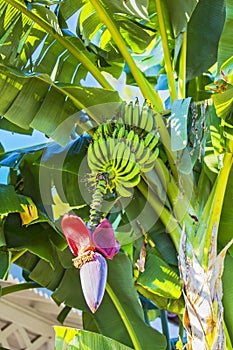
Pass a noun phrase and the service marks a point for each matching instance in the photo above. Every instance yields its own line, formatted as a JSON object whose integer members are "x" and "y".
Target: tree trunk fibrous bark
{"x": 202, "y": 290}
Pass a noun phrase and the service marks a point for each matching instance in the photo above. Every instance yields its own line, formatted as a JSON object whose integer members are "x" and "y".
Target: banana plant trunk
{"x": 202, "y": 290}
{"x": 201, "y": 270}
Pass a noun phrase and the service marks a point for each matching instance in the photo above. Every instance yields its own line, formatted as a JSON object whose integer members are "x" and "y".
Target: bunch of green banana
{"x": 125, "y": 147}
{"x": 132, "y": 117}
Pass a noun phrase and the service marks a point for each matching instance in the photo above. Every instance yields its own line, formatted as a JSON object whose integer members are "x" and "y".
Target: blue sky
{"x": 11, "y": 141}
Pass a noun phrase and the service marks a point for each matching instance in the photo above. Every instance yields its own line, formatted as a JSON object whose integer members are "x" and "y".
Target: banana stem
{"x": 62, "y": 40}
{"x": 18, "y": 255}
{"x": 218, "y": 193}
{"x": 122, "y": 313}
{"x": 166, "y": 51}
{"x": 165, "y": 328}
{"x": 145, "y": 87}
{"x": 179, "y": 200}
{"x": 19, "y": 287}
{"x": 182, "y": 67}
{"x": 170, "y": 223}
{"x": 97, "y": 199}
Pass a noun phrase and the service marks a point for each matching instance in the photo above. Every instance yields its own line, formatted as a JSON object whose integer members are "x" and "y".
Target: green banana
{"x": 123, "y": 191}
{"x": 148, "y": 138}
{"x": 136, "y": 115}
{"x": 121, "y": 113}
{"x": 98, "y": 133}
{"x": 153, "y": 143}
{"x": 103, "y": 149}
{"x": 131, "y": 165}
{"x": 125, "y": 158}
{"x": 135, "y": 143}
{"x": 144, "y": 116}
{"x": 107, "y": 130}
{"x": 130, "y": 175}
{"x": 128, "y": 114}
{"x": 118, "y": 154}
{"x": 131, "y": 182}
{"x": 139, "y": 150}
{"x": 121, "y": 133}
{"x": 111, "y": 145}
{"x": 115, "y": 132}
{"x": 93, "y": 162}
{"x": 97, "y": 152}
{"x": 154, "y": 155}
{"x": 145, "y": 156}
{"x": 150, "y": 121}
{"x": 130, "y": 138}
{"x": 149, "y": 165}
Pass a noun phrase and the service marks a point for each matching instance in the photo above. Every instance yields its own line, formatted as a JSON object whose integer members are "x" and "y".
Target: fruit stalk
{"x": 97, "y": 199}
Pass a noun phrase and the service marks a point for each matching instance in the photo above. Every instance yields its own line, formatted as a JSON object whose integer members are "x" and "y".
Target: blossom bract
{"x": 81, "y": 239}
{"x": 93, "y": 277}
{"x": 90, "y": 249}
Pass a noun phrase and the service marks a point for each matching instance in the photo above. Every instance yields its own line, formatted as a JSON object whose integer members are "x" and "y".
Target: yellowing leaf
{"x": 30, "y": 213}
{"x": 179, "y": 345}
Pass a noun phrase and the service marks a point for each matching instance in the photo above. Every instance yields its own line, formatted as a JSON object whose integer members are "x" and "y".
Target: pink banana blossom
{"x": 90, "y": 249}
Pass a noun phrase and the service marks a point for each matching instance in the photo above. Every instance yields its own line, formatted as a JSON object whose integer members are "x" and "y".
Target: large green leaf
{"x": 31, "y": 45}
{"x": 223, "y": 103}
{"x": 20, "y": 37}
{"x": 180, "y": 12}
{"x": 9, "y": 201}
{"x": 12, "y": 23}
{"x": 83, "y": 340}
{"x": 38, "y": 238}
{"x": 225, "y": 44}
{"x": 70, "y": 7}
{"x": 45, "y": 44}
{"x": 13, "y": 159}
{"x": 136, "y": 37}
{"x": 179, "y": 116}
{"x": 175, "y": 306}
{"x": 6, "y": 125}
{"x": 66, "y": 158}
{"x": 204, "y": 30}
{"x": 5, "y": 258}
{"x": 196, "y": 88}
{"x": 65, "y": 169}
{"x": 137, "y": 8}
{"x": 27, "y": 100}
{"x": 135, "y": 33}
{"x": 227, "y": 71}
{"x": 159, "y": 278}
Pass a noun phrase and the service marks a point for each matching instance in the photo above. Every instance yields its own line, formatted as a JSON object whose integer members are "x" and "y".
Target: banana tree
{"x": 158, "y": 171}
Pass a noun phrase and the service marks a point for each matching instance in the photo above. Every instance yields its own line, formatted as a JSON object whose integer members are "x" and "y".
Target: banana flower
{"x": 90, "y": 249}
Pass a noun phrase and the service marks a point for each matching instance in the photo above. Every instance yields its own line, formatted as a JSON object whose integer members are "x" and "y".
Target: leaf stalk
{"x": 166, "y": 51}
{"x": 19, "y": 287}
{"x": 122, "y": 313}
{"x": 18, "y": 255}
{"x": 182, "y": 68}
{"x": 170, "y": 223}
{"x": 214, "y": 210}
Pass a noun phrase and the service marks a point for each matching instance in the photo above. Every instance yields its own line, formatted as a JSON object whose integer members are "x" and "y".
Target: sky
{"x": 11, "y": 141}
